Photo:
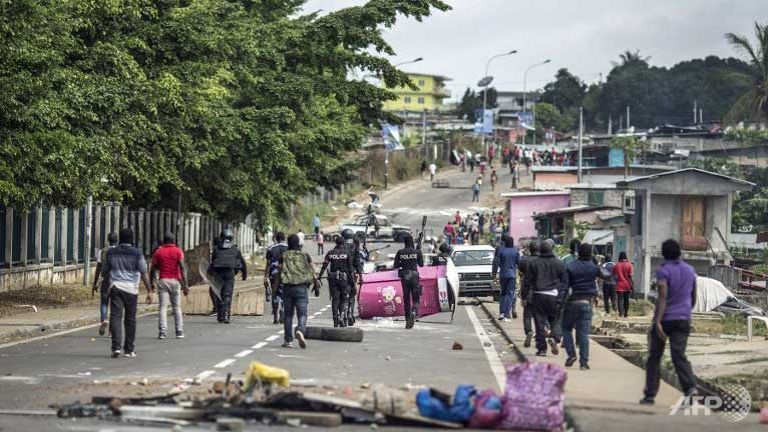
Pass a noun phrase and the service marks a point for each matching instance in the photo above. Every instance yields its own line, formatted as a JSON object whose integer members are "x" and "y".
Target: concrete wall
{"x": 523, "y": 207}
{"x": 611, "y": 197}
{"x": 553, "y": 180}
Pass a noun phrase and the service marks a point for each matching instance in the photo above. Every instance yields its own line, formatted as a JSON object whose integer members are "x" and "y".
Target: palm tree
{"x": 753, "y": 105}
{"x": 630, "y": 58}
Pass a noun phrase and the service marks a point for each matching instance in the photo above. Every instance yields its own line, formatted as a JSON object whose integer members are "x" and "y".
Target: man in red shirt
{"x": 168, "y": 261}
{"x": 623, "y": 273}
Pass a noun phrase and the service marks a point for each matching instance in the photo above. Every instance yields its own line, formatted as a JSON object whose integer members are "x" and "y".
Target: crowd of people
{"x": 469, "y": 229}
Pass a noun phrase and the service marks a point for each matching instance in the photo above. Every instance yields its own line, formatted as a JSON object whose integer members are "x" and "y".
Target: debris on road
{"x": 334, "y": 334}
{"x": 457, "y": 346}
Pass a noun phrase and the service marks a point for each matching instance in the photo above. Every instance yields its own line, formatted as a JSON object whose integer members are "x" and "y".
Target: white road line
{"x": 317, "y": 313}
{"x": 259, "y": 345}
{"x": 243, "y": 353}
{"x": 224, "y": 363}
{"x": 490, "y": 351}
{"x": 280, "y": 332}
{"x": 273, "y": 337}
{"x": 205, "y": 374}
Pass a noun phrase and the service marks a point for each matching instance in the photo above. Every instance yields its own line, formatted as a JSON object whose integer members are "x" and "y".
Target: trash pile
{"x": 533, "y": 399}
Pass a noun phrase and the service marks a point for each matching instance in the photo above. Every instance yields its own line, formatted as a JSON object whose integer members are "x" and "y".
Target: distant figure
{"x": 316, "y": 224}
{"x": 676, "y": 283}
{"x": 105, "y": 284}
{"x": 449, "y": 232}
{"x": 623, "y": 272}
{"x": 471, "y": 164}
{"x": 494, "y": 178}
{"x": 168, "y": 263}
{"x": 609, "y": 285}
{"x": 432, "y": 171}
{"x": 476, "y": 191}
{"x": 457, "y": 217}
{"x": 320, "y": 240}
{"x": 423, "y": 169}
{"x": 301, "y": 237}
{"x": 505, "y": 262}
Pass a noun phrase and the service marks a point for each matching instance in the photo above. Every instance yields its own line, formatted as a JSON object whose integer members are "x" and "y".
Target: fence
{"x": 47, "y": 245}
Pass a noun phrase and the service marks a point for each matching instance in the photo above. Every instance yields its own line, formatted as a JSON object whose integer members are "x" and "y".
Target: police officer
{"x": 355, "y": 275}
{"x": 341, "y": 264}
{"x": 407, "y": 262}
{"x": 442, "y": 257}
{"x": 226, "y": 262}
{"x": 274, "y": 253}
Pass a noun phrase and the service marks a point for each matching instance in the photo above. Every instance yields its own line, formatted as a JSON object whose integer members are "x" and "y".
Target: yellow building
{"x": 429, "y": 95}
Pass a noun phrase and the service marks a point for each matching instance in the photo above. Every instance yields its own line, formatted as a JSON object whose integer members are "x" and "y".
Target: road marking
{"x": 490, "y": 351}
{"x": 273, "y": 337}
{"x": 317, "y": 313}
{"x": 224, "y": 363}
{"x": 243, "y": 353}
{"x": 259, "y": 345}
{"x": 205, "y": 374}
{"x": 280, "y": 332}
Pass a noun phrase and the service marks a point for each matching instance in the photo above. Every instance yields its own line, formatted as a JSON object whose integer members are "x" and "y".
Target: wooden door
{"x": 694, "y": 224}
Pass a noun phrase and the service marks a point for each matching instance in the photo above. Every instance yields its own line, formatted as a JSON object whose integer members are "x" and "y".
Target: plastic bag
{"x": 436, "y": 406}
{"x": 259, "y": 372}
{"x": 487, "y": 411}
{"x": 534, "y": 397}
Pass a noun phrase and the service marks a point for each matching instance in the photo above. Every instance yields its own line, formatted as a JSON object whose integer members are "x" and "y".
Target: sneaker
{"x": 409, "y": 324}
{"x": 514, "y": 315}
{"x": 542, "y": 353}
{"x": 179, "y": 335}
{"x": 585, "y": 366}
{"x": 130, "y": 354}
{"x": 300, "y": 338}
{"x": 161, "y": 335}
{"x": 570, "y": 361}
{"x": 103, "y": 328}
{"x": 647, "y": 400}
{"x": 287, "y": 345}
{"x": 553, "y": 346}
{"x": 213, "y": 313}
{"x": 115, "y": 353}
{"x": 527, "y": 342}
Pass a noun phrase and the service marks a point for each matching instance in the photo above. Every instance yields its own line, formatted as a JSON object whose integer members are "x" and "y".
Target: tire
{"x": 336, "y": 334}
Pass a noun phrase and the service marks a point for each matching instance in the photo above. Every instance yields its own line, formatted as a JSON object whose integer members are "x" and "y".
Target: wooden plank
{"x": 310, "y": 418}
{"x": 248, "y": 299}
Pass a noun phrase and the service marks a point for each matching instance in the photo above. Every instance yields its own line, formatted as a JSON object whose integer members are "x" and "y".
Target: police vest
{"x": 225, "y": 258}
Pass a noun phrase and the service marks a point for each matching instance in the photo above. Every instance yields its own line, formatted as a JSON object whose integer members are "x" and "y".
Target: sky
{"x": 581, "y": 35}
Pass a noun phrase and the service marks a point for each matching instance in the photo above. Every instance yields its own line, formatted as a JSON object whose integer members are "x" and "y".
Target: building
{"x": 428, "y": 95}
{"x": 691, "y": 206}
{"x": 523, "y": 206}
{"x": 510, "y": 103}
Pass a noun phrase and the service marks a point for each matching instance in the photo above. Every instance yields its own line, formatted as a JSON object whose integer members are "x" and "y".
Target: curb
{"x": 518, "y": 353}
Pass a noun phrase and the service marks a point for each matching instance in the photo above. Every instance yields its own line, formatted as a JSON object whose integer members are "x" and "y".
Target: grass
{"x": 45, "y": 297}
{"x": 640, "y": 308}
{"x": 729, "y": 325}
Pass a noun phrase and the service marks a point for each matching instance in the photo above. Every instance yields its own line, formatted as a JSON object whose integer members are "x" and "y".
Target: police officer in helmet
{"x": 341, "y": 263}
{"x": 442, "y": 257}
{"x": 407, "y": 262}
{"x": 357, "y": 270}
{"x": 226, "y": 262}
{"x": 274, "y": 253}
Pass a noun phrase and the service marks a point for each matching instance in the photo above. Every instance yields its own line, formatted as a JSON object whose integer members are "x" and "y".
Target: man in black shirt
{"x": 526, "y": 295}
{"x": 227, "y": 261}
{"x": 548, "y": 287}
{"x": 407, "y": 261}
{"x": 341, "y": 263}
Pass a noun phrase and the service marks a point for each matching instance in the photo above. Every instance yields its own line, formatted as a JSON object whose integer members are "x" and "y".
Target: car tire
{"x": 334, "y": 334}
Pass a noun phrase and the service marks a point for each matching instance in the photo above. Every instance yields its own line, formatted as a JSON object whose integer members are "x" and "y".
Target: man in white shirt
{"x": 432, "y": 171}
{"x": 301, "y": 237}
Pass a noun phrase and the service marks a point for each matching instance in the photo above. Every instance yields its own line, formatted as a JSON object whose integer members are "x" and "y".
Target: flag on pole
{"x": 391, "y": 135}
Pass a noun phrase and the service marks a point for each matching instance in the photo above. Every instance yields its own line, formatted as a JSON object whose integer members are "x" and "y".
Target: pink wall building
{"x": 523, "y": 205}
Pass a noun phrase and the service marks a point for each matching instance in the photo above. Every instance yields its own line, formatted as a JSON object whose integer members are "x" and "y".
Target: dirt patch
{"x": 46, "y": 297}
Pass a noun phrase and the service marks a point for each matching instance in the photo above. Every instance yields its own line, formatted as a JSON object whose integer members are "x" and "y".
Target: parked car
{"x": 386, "y": 230}
{"x": 474, "y": 265}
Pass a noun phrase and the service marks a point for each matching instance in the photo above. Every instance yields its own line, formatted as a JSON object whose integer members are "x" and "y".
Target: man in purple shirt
{"x": 676, "y": 283}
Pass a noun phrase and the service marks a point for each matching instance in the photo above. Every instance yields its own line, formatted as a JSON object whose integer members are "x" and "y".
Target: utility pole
{"x": 695, "y": 112}
{"x": 628, "y": 122}
{"x": 701, "y": 115}
{"x": 424, "y": 131}
{"x": 386, "y": 167}
{"x": 621, "y": 122}
{"x": 581, "y": 135}
{"x": 610, "y": 125}
{"x": 487, "y": 81}
{"x": 534, "y": 123}
{"x": 87, "y": 251}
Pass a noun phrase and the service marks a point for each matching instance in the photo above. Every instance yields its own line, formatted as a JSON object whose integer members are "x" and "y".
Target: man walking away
{"x": 505, "y": 267}
{"x": 296, "y": 273}
{"x": 548, "y": 284}
{"x": 623, "y": 272}
{"x": 526, "y": 293}
{"x": 168, "y": 262}
{"x": 125, "y": 266}
{"x": 316, "y": 224}
{"x": 320, "y": 240}
{"x": 609, "y": 285}
{"x": 573, "y": 249}
{"x": 676, "y": 283}
{"x": 342, "y": 265}
{"x": 104, "y": 288}
{"x": 226, "y": 262}
{"x": 407, "y": 262}
{"x": 301, "y": 237}
{"x": 432, "y": 171}
{"x": 581, "y": 276}
{"x": 274, "y": 253}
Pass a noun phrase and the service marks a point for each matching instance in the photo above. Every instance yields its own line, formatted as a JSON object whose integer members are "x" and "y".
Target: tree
{"x": 754, "y": 103}
{"x": 631, "y": 148}
{"x": 567, "y": 91}
{"x": 472, "y": 101}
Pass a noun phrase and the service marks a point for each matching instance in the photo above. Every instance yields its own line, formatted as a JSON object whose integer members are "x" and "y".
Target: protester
{"x": 105, "y": 284}
{"x": 168, "y": 262}
{"x": 581, "y": 278}
{"x": 296, "y": 274}
{"x": 320, "y": 240}
{"x": 494, "y": 179}
{"x": 548, "y": 283}
{"x": 609, "y": 285}
{"x": 457, "y": 217}
{"x": 526, "y": 293}
{"x": 504, "y": 266}
{"x": 449, "y": 232}
{"x": 476, "y": 191}
{"x": 316, "y": 224}
{"x": 432, "y": 171}
{"x": 273, "y": 255}
{"x": 573, "y": 249}
{"x": 126, "y": 266}
{"x": 301, "y": 237}
{"x": 676, "y": 285}
{"x": 623, "y": 272}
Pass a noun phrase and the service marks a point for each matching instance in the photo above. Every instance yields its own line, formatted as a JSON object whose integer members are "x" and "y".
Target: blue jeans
{"x": 295, "y": 296}
{"x": 577, "y": 315}
{"x": 104, "y": 300}
{"x": 507, "y": 296}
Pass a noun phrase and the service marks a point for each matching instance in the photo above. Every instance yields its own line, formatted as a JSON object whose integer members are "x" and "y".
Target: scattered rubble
{"x": 457, "y": 346}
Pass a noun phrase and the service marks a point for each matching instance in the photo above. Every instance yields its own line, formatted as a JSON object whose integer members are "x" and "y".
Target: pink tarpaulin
{"x": 382, "y": 295}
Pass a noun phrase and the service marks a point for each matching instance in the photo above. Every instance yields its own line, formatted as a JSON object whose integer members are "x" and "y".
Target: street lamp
{"x": 485, "y": 82}
{"x": 416, "y": 60}
{"x": 525, "y": 90}
{"x": 405, "y": 119}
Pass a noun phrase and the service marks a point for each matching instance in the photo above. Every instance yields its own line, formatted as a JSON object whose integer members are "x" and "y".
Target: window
{"x": 421, "y": 83}
{"x": 595, "y": 198}
{"x": 407, "y": 99}
{"x": 421, "y": 101}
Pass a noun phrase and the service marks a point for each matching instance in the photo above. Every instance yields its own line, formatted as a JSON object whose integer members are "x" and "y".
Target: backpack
{"x": 296, "y": 269}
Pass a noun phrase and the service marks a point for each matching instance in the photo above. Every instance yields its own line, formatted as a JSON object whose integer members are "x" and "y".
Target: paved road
{"x": 75, "y": 366}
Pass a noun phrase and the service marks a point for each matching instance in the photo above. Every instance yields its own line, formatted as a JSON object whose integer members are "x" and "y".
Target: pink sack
{"x": 487, "y": 411}
{"x": 534, "y": 397}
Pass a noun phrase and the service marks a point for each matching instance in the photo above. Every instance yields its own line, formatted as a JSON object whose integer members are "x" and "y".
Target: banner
{"x": 525, "y": 120}
{"x": 483, "y": 121}
{"x": 391, "y": 135}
